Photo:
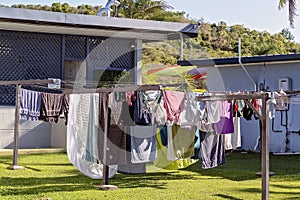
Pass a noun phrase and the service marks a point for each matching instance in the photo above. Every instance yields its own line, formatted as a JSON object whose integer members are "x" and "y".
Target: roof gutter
{"x": 246, "y": 71}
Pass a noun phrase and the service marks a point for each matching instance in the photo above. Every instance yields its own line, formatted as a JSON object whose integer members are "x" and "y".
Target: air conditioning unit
{"x": 285, "y": 84}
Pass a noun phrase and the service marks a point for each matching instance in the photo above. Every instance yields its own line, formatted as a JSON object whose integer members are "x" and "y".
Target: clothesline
{"x": 213, "y": 97}
{"x": 68, "y": 91}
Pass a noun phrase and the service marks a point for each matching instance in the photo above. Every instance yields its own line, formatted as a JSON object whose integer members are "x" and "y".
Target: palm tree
{"x": 292, "y": 9}
{"x": 141, "y": 9}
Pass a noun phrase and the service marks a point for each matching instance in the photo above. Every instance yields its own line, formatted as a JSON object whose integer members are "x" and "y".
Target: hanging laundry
{"x": 235, "y": 108}
{"x": 212, "y": 150}
{"x": 129, "y": 98}
{"x": 143, "y": 143}
{"x": 233, "y": 141}
{"x": 247, "y": 112}
{"x": 189, "y": 116}
{"x": 174, "y": 104}
{"x": 197, "y": 146}
{"x": 162, "y": 151}
{"x": 164, "y": 135}
{"x": 203, "y": 123}
{"x": 225, "y": 125}
{"x": 171, "y": 153}
{"x": 91, "y": 150}
{"x": 51, "y": 107}
{"x": 255, "y": 104}
{"x": 119, "y": 96}
{"x": 241, "y": 105}
{"x": 66, "y": 105}
{"x": 129, "y": 167}
{"x": 272, "y": 106}
{"x": 213, "y": 111}
{"x": 238, "y": 106}
{"x": 30, "y": 104}
{"x": 180, "y": 142}
{"x": 152, "y": 100}
{"x": 282, "y": 101}
{"x": 116, "y": 136}
{"x": 141, "y": 114}
{"x": 259, "y": 103}
{"x": 78, "y": 136}
{"x": 160, "y": 113}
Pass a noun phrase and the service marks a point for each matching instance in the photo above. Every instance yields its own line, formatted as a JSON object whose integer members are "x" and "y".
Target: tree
{"x": 141, "y": 9}
{"x": 287, "y": 34}
{"x": 56, "y": 7}
{"x": 292, "y": 9}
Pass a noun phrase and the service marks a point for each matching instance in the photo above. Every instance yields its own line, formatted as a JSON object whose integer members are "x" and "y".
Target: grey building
{"x": 271, "y": 72}
{"x": 41, "y": 45}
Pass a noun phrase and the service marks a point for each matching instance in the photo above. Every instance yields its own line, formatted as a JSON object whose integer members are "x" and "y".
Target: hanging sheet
{"x": 82, "y": 130}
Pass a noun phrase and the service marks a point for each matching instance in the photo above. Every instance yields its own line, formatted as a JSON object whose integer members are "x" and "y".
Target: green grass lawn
{"x": 52, "y": 176}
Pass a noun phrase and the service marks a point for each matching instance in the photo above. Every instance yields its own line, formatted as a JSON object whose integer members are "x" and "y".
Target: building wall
{"x": 32, "y": 134}
{"x": 234, "y": 79}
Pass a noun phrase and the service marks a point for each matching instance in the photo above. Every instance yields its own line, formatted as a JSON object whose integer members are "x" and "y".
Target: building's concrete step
{"x": 9, "y": 152}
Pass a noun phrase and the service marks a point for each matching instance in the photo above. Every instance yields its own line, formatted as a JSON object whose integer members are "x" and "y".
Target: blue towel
{"x": 30, "y": 104}
{"x": 143, "y": 144}
{"x": 91, "y": 151}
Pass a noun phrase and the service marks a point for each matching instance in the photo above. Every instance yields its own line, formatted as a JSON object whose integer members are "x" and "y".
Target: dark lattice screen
{"x": 112, "y": 53}
{"x": 26, "y": 56}
{"x": 76, "y": 47}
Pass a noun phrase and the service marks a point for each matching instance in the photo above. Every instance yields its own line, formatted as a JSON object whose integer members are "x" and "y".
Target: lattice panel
{"x": 75, "y": 47}
{"x": 111, "y": 52}
{"x": 26, "y": 56}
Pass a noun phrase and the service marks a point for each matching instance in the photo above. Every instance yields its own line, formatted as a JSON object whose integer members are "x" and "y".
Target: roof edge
{"x": 37, "y": 16}
{"x": 245, "y": 60}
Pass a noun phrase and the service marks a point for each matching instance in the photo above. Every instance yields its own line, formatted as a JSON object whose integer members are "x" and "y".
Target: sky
{"x": 261, "y": 15}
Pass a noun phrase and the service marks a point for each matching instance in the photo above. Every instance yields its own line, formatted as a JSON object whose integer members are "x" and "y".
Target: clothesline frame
{"x": 19, "y": 84}
{"x": 264, "y": 131}
{"x": 214, "y": 97}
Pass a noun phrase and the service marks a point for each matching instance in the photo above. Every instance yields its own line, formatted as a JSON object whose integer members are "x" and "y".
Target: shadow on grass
{"x": 240, "y": 167}
{"x": 258, "y": 191}
{"x": 226, "y": 197}
{"x": 79, "y": 182}
{"x": 286, "y": 186}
